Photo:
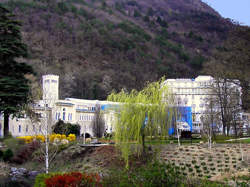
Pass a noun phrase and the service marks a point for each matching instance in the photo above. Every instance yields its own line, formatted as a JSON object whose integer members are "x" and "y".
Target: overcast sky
{"x": 238, "y": 10}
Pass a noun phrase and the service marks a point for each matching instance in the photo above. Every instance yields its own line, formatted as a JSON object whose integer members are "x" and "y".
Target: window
{"x": 70, "y": 116}
{"x": 46, "y": 81}
{"x": 54, "y": 81}
{"x": 27, "y": 128}
{"x": 64, "y": 113}
{"x": 40, "y": 128}
{"x": 19, "y": 128}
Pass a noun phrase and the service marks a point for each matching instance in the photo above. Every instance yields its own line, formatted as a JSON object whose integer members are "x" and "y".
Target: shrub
{"x": 7, "y": 155}
{"x": 1, "y": 154}
{"x": 205, "y": 168}
{"x": 73, "y": 179}
{"x": 40, "y": 179}
{"x": 190, "y": 169}
{"x": 197, "y": 167}
{"x": 25, "y": 153}
{"x": 66, "y": 128}
{"x": 203, "y": 163}
{"x": 153, "y": 174}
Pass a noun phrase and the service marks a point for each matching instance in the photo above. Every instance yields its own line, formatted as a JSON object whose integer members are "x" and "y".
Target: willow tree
{"x": 141, "y": 113}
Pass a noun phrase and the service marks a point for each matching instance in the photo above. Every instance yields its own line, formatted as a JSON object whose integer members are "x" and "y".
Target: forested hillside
{"x": 99, "y": 45}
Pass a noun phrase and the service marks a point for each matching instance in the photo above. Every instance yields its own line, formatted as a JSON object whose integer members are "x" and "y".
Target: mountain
{"x": 99, "y": 45}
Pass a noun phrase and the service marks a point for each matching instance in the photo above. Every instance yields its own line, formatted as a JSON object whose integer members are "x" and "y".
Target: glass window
{"x": 64, "y": 115}
{"x": 27, "y": 128}
{"x": 19, "y": 128}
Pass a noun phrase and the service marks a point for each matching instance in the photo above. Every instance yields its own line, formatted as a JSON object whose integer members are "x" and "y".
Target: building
{"x": 190, "y": 95}
{"x": 70, "y": 110}
{"x": 195, "y": 93}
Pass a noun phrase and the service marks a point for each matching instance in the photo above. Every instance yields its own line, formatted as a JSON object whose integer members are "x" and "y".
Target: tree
{"x": 232, "y": 61}
{"x": 14, "y": 86}
{"x": 210, "y": 119}
{"x": 141, "y": 113}
{"x": 98, "y": 123}
{"x": 66, "y": 128}
{"x": 225, "y": 97}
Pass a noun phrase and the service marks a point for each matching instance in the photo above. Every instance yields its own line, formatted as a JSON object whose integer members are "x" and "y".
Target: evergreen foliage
{"x": 141, "y": 113}
{"x": 14, "y": 87}
{"x": 66, "y": 128}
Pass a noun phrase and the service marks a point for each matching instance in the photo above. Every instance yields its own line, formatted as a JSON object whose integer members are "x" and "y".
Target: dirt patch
{"x": 107, "y": 156}
{"x": 4, "y": 169}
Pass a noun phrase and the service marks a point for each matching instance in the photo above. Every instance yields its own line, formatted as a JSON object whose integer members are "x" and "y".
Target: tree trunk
{"x": 6, "y": 124}
{"x": 143, "y": 143}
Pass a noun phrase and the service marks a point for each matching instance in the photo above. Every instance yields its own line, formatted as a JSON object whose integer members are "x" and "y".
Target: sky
{"x": 238, "y": 10}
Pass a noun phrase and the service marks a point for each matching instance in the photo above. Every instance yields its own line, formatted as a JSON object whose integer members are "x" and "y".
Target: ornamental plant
{"x": 73, "y": 179}
{"x": 141, "y": 113}
{"x": 53, "y": 138}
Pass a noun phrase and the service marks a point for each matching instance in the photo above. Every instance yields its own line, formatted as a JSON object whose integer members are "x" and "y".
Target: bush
{"x": 67, "y": 179}
{"x": 40, "y": 179}
{"x": 7, "y": 155}
{"x": 25, "y": 152}
{"x": 1, "y": 154}
{"x": 153, "y": 174}
{"x": 66, "y": 128}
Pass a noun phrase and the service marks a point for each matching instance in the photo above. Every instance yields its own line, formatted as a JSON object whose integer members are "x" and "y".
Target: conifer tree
{"x": 14, "y": 87}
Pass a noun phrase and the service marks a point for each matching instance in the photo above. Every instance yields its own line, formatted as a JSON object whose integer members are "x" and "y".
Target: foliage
{"x": 25, "y": 152}
{"x": 67, "y": 179}
{"x": 231, "y": 61}
{"x": 130, "y": 124}
{"x": 7, "y": 155}
{"x": 1, "y": 154}
{"x": 151, "y": 174}
{"x": 131, "y": 52}
{"x": 40, "y": 179}
{"x": 14, "y": 87}
{"x": 53, "y": 138}
{"x": 66, "y": 128}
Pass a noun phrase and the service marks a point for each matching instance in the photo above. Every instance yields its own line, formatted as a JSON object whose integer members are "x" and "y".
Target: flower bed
{"x": 73, "y": 179}
{"x": 53, "y": 138}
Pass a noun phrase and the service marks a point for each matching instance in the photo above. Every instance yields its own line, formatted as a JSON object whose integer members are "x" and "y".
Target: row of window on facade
{"x": 53, "y": 81}
{"x": 84, "y": 107}
{"x": 191, "y": 84}
{"x": 196, "y": 91}
{"x": 39, "y": 130}
{"x": 86, "y": 117}
{"x": 63, "y": 117}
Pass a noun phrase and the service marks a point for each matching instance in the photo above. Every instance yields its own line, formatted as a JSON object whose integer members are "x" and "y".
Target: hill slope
{"x": 98, "y": 45}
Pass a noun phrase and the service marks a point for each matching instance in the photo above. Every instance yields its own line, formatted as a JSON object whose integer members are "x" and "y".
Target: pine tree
{"x": 14, "y": 87}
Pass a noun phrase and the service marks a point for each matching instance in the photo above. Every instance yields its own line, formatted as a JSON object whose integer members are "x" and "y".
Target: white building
{"x": 70, "y": 110}
{"x": 194, "y": 93}
{"x": 188, "y": 92}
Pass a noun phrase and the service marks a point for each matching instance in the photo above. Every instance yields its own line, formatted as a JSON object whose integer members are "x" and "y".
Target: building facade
{"x": 190, "y": 96}
{"x": 196, "y": 94}
{"x": 51, "y": 108}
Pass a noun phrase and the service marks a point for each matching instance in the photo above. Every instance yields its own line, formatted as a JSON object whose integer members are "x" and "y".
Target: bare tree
{"x": 42, "y": 121}
{"x": 98, "y": 123}
{"x": 227, "y": 99}
{"x": 209, "y": 119}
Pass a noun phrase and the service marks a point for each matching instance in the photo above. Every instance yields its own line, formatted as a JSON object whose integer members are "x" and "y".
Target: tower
{"x": 50, "y": 88}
